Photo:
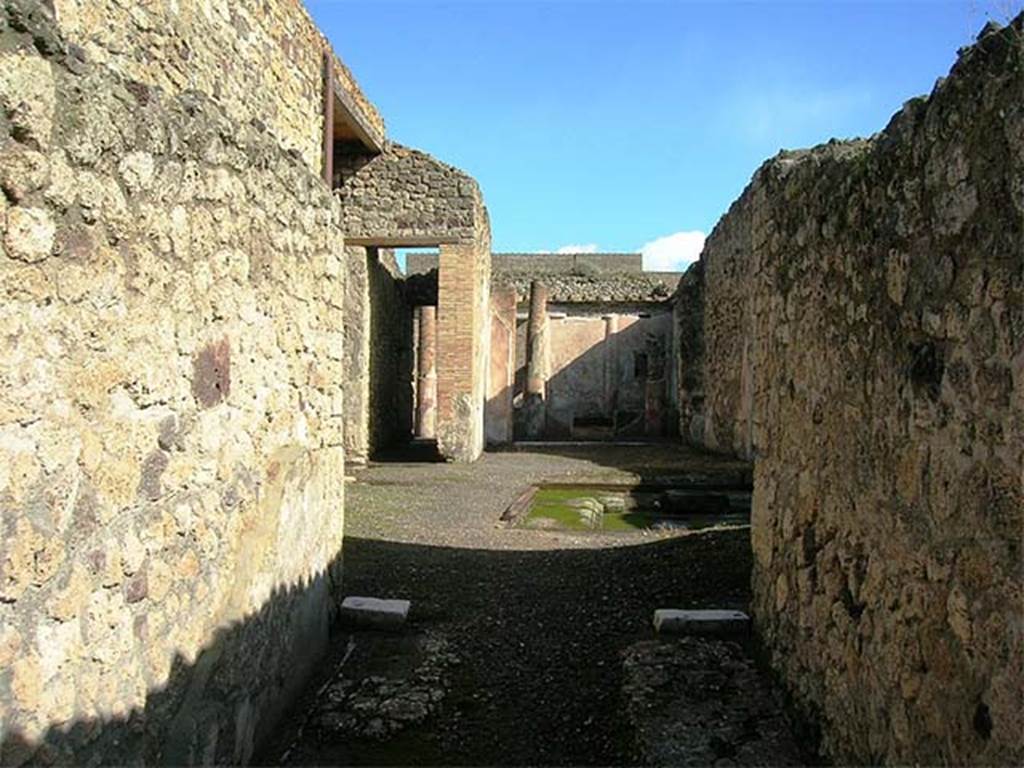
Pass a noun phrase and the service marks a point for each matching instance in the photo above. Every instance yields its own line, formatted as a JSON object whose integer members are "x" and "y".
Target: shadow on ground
{"x": 539, "y": 637}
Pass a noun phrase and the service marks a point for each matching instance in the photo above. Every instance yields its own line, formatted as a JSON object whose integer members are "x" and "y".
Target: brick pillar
{"x": 426, "y": 376}
{"x": 501, "y": 381}
{"x": 463, "y": 342}
{"x": 534, "y": 403}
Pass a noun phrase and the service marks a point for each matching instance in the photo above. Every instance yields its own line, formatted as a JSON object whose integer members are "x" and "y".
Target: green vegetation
{"x": 597, "y": 508}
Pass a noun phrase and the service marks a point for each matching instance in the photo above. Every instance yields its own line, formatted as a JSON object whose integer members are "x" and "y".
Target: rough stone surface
{"x": 594, "y": 278}
{"x": 862, "y": 308}
{"x": 615, "y": 288}
{"x": 391, "y": 354}
{"x": 546, "y": 264}
{"x": 378, "y": 354}
{"x": 405, "y": 197}
{"x": 170, "y": 427}
{"x": 260, "y": 61}
{"x": 703, "y": 702}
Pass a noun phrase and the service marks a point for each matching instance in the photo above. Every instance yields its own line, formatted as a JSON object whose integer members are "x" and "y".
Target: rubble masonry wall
{"x": 171, "y": 471}
{"x": 862, "y": 308}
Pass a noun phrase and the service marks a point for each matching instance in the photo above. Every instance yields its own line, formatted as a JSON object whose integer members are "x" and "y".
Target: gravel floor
{"x": 535, "y": 622}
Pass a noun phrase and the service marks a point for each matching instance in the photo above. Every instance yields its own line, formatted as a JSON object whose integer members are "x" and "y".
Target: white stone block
{"x": 374, "y": 613}
{"x": 671, "y": 621}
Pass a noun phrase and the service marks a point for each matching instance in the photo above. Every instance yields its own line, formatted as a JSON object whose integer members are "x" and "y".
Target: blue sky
{"x": 616, "y": 125}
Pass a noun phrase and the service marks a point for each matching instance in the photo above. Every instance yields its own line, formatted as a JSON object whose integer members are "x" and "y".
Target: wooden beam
{"x": 401, "y": 241}
{"x": 328, "y": 163}
{"x": 355, "y": 121}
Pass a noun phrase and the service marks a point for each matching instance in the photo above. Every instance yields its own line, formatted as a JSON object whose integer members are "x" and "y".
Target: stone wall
{"x": 379, "y": 355}
{"x": 724, "y": 422}
{"x": 688, "y": 353}
{"x": 259, "y": 59}
{"x": 171, "y": 473}
{"x": 863, "y": 339}
{"x": 597, "y": 371}
{"x": 391, "y": 354}
{"x": 501, "y": 375}
{"x": 534, "y": 264}
{"x": 356, "y": 384}
{"x": 404, "y": 197}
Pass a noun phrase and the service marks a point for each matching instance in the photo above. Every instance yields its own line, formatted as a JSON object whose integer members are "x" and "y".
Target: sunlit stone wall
{"x": 171, "y": 470}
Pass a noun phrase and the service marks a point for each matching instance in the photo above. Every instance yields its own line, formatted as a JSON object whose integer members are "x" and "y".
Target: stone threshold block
{"x": 714, "y": 623}
{"x": 374, "y": 612}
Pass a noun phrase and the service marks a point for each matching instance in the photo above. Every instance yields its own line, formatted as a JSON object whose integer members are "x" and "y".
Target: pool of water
{"x": 618, "y": 508}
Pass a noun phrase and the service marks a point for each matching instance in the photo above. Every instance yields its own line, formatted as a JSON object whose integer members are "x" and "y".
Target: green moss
{"x": 561, "y": 509}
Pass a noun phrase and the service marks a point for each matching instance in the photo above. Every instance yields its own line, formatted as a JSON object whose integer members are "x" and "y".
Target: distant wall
{"x": 498, "y": 423}
{"x": 597, "y": 371}
{"x": 171, "y": 472}
{"x": 391, "y": 355}
{"x": 542, "y": 263}
{"x": 862, "y": 311}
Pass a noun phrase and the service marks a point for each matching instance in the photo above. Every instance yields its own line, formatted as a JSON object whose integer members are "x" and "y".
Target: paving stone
{"x": 700, "y": 622}
{"x": 374, "y": 612}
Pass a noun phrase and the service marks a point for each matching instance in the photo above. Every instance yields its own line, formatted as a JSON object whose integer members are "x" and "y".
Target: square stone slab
{"x": 718, "y": 623}
{"x": 374, "y": 613}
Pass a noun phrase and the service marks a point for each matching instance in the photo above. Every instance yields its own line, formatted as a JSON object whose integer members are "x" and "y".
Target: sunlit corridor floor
{"x": 533, "y": 646}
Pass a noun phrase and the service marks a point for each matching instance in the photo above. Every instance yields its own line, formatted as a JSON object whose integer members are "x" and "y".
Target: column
{"x": 534, "y": 406}
{"x": 426, "y": 373}
{"x": 611, "y": 366}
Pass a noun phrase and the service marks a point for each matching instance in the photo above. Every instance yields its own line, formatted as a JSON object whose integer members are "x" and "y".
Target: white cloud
{"x": 672, "y": 253}
{"x": 575, "y": 248}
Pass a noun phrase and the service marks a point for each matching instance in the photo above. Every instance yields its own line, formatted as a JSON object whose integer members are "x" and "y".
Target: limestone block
{"x": 22, "y": 171}
{"x": 374, "y": 613}
{"x": 27, "y": 94}
{"x": 30, "y": 233}
{"x": 672, "y": 621}
{"x": 137, "y": 171}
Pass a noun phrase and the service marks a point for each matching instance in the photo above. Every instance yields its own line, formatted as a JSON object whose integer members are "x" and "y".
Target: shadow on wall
{"x": 214, "y": 708}
{"x": 605, "y": 385}
{"x": 391, "y": 356}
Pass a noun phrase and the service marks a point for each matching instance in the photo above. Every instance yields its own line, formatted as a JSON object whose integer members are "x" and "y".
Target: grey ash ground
{"x": 531, "y": 647}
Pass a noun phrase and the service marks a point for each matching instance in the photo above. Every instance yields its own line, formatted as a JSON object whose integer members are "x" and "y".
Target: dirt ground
{"x": 515, "y": 646}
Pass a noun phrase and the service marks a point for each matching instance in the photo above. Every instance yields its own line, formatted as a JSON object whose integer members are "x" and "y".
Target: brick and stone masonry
{"x": 402, "y": 198}
{"x": 170, "y": 415}
{"x": 172, "y": 422}
{"x": 861, "y": 320}
{"x": 603, "y": 318}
